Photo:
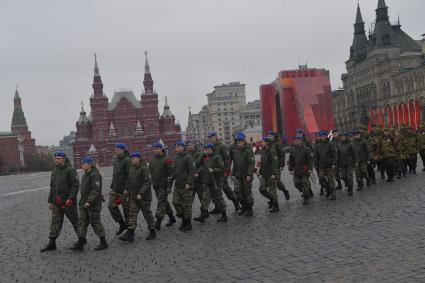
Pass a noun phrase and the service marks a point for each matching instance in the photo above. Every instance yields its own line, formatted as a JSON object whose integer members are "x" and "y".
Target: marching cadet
{"x": 161, "y": 168}
{"x": 277, "y": 145}
{"x": 325, "y": 162}
{"x": 400, "y": 145}
{"x": 346, "y": 160}
{"x": 90, "y": 205}
{"x": 197, "y": 156}
{"x": 361, "y": 149}
{"x": 213, "y": 167}
{"x": 306, "y": 142}
{"x": 388, "y": 152}
{"x": 140, "y": 197}
{"x": 300, "y": 165}
{"x": 224, "y": 152}
{"x": 62, "y": 198}
{"x": 412, "y": 150}
{"x": 269, "y": 170}
{"x": 242, "y": 174}
{"x": 119, "y": 184}
{"x": 420, "y": 136}
{"x": 374, "y": 142}
{"x": 336, "y": 140}
{"x": 183, "y": 175}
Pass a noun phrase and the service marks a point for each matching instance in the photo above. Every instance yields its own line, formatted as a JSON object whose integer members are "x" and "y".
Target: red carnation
{"x": 227, "y": 172}
{"x": 168, "y": 161}
{"x": 118, "y": 201}
{"x": 69, "y": 202}
{"x": 206, "y": 158}
{"x": 305, "y": 168}
{"x": 58, "y": 200}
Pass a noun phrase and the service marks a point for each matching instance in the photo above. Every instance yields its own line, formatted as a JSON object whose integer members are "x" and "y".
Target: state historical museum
{"x": 126, "y": 119}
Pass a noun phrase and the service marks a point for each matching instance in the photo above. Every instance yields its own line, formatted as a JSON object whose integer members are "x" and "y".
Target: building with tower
{"x": 19, "y": 123}
{"x": 137, "y": 123}
{"x": 384, "y": 82}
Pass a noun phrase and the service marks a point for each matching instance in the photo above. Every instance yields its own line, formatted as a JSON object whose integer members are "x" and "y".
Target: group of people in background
{"x": 205, "y": 172}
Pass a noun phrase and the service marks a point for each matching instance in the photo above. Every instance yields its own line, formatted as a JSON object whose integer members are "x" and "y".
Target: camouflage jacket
{"x": 300, "y": 160}
{"x": 120, "y": 174}
{"x": 269, "y": 162}
{"x": 243, "y": 162}
{"x": 324, "y": 155}
{"x": 214, "y": 162}
{"x": 183, "y": 169}
{"x": 91, "y": 189}
{"x": 361, "y": 150}
{"x": 139, "y": 182}
{"x": 346, "y": 154}
{"x": 160, "y": 168}
{"x": 64, "y": 184}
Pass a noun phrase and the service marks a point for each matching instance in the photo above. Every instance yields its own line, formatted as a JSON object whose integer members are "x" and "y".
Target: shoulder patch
{"x": 97, "y": 183}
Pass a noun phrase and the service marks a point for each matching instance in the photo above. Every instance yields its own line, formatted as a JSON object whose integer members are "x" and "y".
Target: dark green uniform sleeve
{"x": 309, "y": 159}
{"x": 50, "y": 199}
{"x": 218, "y": 165}
{"x": 146, "y": 181}
{"x": 73, "y": 183}
{"x": 274, "y": 160}
{"x": 250, "y": 159}
{"x": 190, "y": 166}
{"x": 127, "y": 166}
{"x": 316, "y": 155}
{"x": 224, "y": 152}
{"x": 291, "y": 160}
{"x": 95, "y": 189}
{"x": 333, "y": 154}
{"x": 281, "y": 154}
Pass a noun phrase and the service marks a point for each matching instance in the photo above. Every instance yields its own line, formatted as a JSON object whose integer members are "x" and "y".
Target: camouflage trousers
{"x": 227, "y": 190}
{"x": 347, "y": 175}
{"x": 199, "y": 191}
{"x": 361, "y": 173}
{"x": 327, "y": 179}
{"x": 91, "y": 217}
{"x": 163, "y": 206}
{"x": 412, "y": 160}
{"x": 302, "y": 183}
{"x": 213, "y": 193}
{"x": 115, "y": 211}
{"x": 182, "y": 202}
{"x": 389, "y": 164}
{"x": 133, "y": 211}
{"x": 268, "y": 188}
{"x": 243, "y": 191}
{"x": 58, "y": 214}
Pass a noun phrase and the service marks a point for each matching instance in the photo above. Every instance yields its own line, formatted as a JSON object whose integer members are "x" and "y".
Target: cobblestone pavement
{"x": 376, "y": 236}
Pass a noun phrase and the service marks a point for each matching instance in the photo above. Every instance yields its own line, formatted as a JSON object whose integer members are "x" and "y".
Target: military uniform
{"x": 183, "y": 174}
{"x": 301, "y": 163}
{"x": 361, "y": 152}
{"x": 160, "y": 169}
{"x": 91, "y": 193}
{"x": 119, "y": 184}
{"x": 197, "y": 156}
{"x": 376, "y": 158}
{"x": 420, "y": 136}
{"x": 346, "y": 160}
{"x": 400, "y": 145}
{"x": 412, "y": 151}
{"x": 338, "y": 178}
{"x": 64, "y": 185}
{"x": 278, "y": 147}
{"x": 269, "y": 167}
{"x": 243, "y": 167}
{"x": 388, "y": 153}
{"x": 325, "y": 162}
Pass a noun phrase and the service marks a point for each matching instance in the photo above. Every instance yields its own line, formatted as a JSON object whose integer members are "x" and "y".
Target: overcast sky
{"x": 47, "y": 49}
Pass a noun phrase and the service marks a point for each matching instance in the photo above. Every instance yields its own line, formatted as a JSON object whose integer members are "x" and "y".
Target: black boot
{"x": 128, "y": 236}
{"x": 328, "y": 192}
{"x": 202, "y": 216}
{"x": 215, "y": 211}
{"x": 171, "y": 220}
{"x": 152, "y": 235}
{"x": 350, "y": 191}
{"x": 158, "y": 224}
{"x": 223, "y": 217}
{"x": 305, "y": 201}
{"x": 236, "y": 204}
{"x": 269, "y": 204}
{"x": 275, "y": 207}
{"x": 187, "y": 226}
{"x": 79, "y": 245}
{"x": 339, "y": 187}
{"x": 182, "y": 225}
{"x": 310, "y": 192}
{"x": 51, "y": 246}
{"x": 122, "y": 228}
{"x": 286, "y": 193}
{"x": 249, "y": 212}
{"x": 359, "y": 186}
{"x": 322, "y": 191}
{"x": 103, "y": 245}
{"x": 244, "y": 209}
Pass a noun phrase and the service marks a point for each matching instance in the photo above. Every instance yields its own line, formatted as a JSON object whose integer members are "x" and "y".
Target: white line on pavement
{"x": 25, "y": 191}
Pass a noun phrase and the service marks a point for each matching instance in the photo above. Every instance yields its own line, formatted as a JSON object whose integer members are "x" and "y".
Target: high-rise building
{"x": 384, "y": 83}
{"x": 137, "y": 123}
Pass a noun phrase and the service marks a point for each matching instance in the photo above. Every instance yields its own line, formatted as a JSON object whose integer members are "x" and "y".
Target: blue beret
{"x": 299, "y": 131}
{"x": 323, "y": 133}
{"x": 240, "y": 137}
{"x": 180, "y": 143}
{"x": 212, "y": 134}
{"x": 209, "y": 145}
{"x": 272, "y": 133}
{"x": 136, "y": 154}
{"x": 60, "y": 154}
{"x": 299, "y": 137}
{"x": 120, "y": 145}
{"x": 265, "y": 139}
{"x": 158, "y": 145}
{"x": 88, "y": 159}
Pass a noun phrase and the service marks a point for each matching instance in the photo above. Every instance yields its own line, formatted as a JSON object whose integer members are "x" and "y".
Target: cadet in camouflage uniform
{"x": 300, "y": 165}
{"x": 400, "y": 145}
{"x": 388, "y": 153}
{"x": 140, "y": 197}
{"x": 362, "y": 154}
{"x": 90, "y": 205}
{"x": 346, "y": 160}
{"x": 325, "y": 162}
{"x": 161, "y": 168}
{"x": 224, "y": 152}
{"x": 242, "y": 174}
{"x": 277, "y": 145}
{"x": 119, "y": 184}
{"x": 336, "y": 140}
{"x": 62, "y": 198}
{"x": 213, "y": 167}
{"x": 183, "y": 175}
{"x": 412, "y": 150}
{"x": 197, "y": 155}
{"x": 374, "y": 143}
{"x": 420, "y": 135}
{"x": 269, "y": 170}
{"x": 307, "y": 143}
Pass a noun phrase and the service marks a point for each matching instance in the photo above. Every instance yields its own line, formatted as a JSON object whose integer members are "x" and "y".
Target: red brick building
{"x": 137, "y": 123}
{"x": 19, "y": 123}
{"x": 11, "y": 152}
{"x": 297, "y": 99}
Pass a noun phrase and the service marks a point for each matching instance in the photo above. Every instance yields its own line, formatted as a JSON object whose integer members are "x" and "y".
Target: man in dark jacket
{"x": 346, "y": 160}
{"x": 183, "y": 175}
{"x": 300, "y": 165}
{"x": 363, "y": 158}
{"x": 140, "y": 197}
{"x": 325, "y": 163}
{"x": 161, "y": 167}
{"x": 197, "y": 156}
{"x": 119, "y": 184}
{"x": 90, "y": 205}
{"x": 278, "y": 147}
{"x": 62, "y": 200}
{"x": 269, "y": 170}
